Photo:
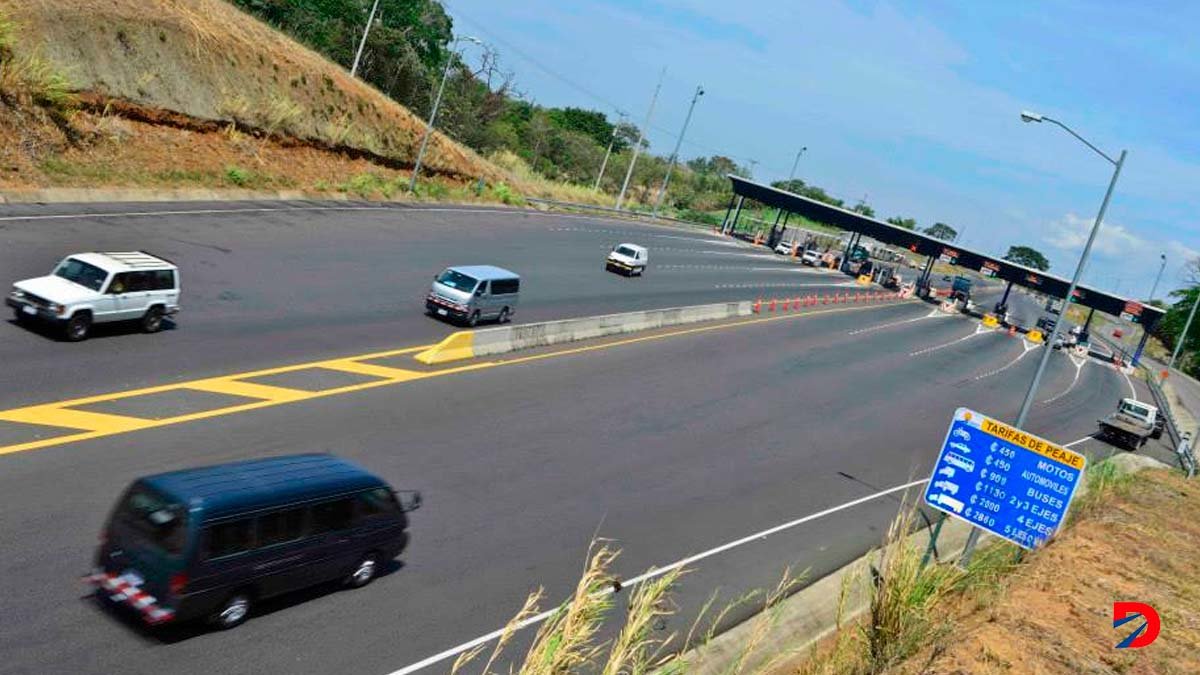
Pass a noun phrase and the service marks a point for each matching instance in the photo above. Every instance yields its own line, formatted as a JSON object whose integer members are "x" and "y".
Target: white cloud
{"x": 1070, "y": 233}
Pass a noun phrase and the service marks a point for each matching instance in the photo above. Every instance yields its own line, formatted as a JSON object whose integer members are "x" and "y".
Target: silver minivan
{"x": 473, "y": 293}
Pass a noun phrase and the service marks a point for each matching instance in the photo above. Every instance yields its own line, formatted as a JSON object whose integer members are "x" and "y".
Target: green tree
{"x": 864, "y": 209}
{"x": 1027, "y": 256}
{"x": 1170, "y": 327}
{"x": 591, "y": 123}
{"x": 941, "y": 231}
{"x": 906, "y": 223}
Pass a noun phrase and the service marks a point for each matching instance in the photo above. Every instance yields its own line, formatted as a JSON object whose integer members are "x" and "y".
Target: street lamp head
{"x": 470, "y": 38}
{"x": 1027, "y": 116}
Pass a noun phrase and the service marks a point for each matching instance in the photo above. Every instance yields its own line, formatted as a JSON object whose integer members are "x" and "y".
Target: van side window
{"x": 332, "y": 516}
{"x": 377, "y": 502}
{"x": 505, "y": 286}
{"x": 482, "y": 289}
{"x": 281, "y": 526}
{"x": 235, "y": 536}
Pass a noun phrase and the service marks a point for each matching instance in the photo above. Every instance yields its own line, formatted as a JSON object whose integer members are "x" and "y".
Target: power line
{"x": 480, "y": 27}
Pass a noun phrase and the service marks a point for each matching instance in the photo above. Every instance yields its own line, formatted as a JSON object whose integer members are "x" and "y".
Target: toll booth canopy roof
{"x": 923, "y": 244}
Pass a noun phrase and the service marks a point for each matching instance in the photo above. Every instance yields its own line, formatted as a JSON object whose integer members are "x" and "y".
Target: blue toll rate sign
{"x": 1001, "y": 479}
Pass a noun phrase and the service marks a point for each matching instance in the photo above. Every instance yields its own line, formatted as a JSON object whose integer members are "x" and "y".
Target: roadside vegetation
{"x": 1045, "y": 611}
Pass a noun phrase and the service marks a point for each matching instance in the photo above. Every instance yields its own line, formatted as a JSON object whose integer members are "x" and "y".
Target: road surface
{"x": 670, "y": 446}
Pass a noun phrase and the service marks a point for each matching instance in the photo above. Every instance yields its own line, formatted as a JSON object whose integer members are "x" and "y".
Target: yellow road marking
{"x": 232, "y": 387}
{"x": 55, "y": 416}
{"x": 354, "y": 366}
{"x": 97, "y": 425}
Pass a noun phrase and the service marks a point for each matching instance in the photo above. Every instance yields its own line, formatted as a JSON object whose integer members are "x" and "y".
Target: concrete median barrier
{"x": 504, "y": 339}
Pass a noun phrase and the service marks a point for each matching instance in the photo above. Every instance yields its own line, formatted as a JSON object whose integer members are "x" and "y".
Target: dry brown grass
{"x": 208, "y": 60}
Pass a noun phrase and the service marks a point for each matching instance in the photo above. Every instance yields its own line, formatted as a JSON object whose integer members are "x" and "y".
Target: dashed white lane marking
{"x": 737, "y": 268}
{"x": 931, "y": 315}
{"x": 1028, "y": 347}
{"x": 627, "y": 233}
{"x": 654, "y": 573}
{"x": 785, "y": 284}
{"x": 979, "y": 330}
{"x": 1075, "y": 380}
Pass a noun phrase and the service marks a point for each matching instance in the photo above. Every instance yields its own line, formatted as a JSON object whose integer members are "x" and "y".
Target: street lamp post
{"x": 437, "y": 102}
{"x": 675, "y": 153}
{"x": 1161, "y": 267}
{"x": 1087, "y": 250}
{"x": 1187, "y": 325}
{"x": 796, "y": 163}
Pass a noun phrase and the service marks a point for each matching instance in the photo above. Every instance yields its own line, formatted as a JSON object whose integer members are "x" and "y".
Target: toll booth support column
{"x": 1137, "y": 354}
{"x": 1002, "y": 306}
{"x": 923, "y": 279}
{"x": 850, "y": 244}
{"x": 728, "y": 209}
{"x": 776, "y": 235}
{"x": 1087, "y": 325}
{"x": 732, "y": 224}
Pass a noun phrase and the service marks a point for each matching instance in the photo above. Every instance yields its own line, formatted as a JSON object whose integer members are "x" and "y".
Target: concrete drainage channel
{"x": 504, "y": 339}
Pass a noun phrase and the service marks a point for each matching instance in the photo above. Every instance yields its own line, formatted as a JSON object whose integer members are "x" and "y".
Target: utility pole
{"x": 363, "y": 43}
{"x": 662, "y": 192}
{"x": 607, "y": 153}
{"x": 637, "y": 149}
{"x": 1161, "y": 267}
{"x": 437, "y": 102}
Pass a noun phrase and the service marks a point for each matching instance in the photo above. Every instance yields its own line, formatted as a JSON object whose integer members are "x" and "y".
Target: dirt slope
{"x": 209, "y": 61}
{"x": 1055, "y": 615}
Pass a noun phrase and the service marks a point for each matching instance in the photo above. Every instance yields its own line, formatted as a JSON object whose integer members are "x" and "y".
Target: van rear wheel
{"x": 503, "y": 318}
{"x": 473, "y": 320}
{"x": 364, "y": 572}
{"x": 233, "y": 612}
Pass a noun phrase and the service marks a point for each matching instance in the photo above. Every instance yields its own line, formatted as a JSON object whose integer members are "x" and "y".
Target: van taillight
{"x": 178, "y": 583}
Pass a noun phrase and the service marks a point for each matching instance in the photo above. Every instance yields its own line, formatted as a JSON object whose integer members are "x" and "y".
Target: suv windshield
{"x": 152, "y": 519}
{"x": 457, "y": 281}
{"x": 79, "y": 272}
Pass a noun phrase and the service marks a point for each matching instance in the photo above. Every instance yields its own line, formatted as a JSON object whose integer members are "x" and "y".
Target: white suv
{"x": 89, "y": 288}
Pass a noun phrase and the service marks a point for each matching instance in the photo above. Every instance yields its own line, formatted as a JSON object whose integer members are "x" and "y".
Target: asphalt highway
{"x": 669, "y": 446}
{"x": 265, "y": 284}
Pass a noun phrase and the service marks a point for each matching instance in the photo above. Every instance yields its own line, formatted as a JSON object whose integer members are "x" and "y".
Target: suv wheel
{"x": 233, "y": 611}
{"x": 152, "y": 320}
{"x": 78, "y": 326}
{"x": 473, "y": 320}
{"x": 364, "y": 572}
{"x": 18, "y": 315}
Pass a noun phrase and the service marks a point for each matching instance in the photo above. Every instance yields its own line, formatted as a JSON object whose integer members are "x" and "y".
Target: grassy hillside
{"x": 211, "y": 62}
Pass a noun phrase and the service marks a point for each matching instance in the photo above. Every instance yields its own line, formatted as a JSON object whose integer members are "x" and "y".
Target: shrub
{"x": 237, "y": 175}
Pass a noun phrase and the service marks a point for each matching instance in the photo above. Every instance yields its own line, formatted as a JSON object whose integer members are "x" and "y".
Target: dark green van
{"x": 208, "y": 543}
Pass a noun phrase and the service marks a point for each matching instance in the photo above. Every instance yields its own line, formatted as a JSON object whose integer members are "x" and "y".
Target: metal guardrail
{"x": 1180, "y": 439}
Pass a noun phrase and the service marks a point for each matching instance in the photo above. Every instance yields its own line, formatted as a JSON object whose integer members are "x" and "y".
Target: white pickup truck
{"x": 1132, "y": 424}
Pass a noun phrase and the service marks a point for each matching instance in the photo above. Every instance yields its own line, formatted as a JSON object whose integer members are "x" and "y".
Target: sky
{"x": 913, "y": 104}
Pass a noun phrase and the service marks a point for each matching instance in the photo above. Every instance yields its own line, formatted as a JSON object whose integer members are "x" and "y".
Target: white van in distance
{"x": 628, "y": 259}
{"x": 90, "y": 288}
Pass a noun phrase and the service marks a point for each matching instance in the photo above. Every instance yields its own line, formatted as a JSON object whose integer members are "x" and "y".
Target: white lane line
{"x": 931, "y": 315}
{"x": 1132, "y": 391}
{"x": 785, "y": 284}
{"x": 1078, "y": 369}
{"x": 1085, "y": 438}
{"x": 979, "y": 330}
{"x": 1027, "y": 348}
{"x": 129, "y": 214}
{"x": 738, "y": 268}
{"x": 656, "y": 572}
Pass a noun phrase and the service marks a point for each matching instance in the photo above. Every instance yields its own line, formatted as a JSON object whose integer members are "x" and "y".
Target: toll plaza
{"x": 1003, "y": 480}
{"x": 858, "y": 225}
